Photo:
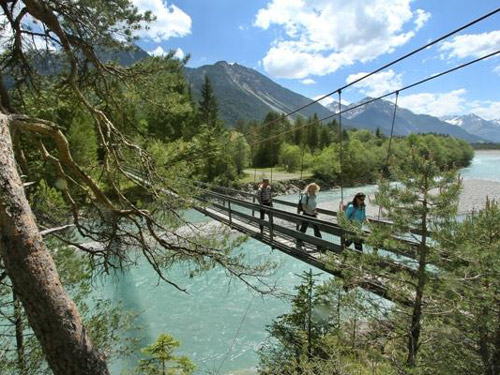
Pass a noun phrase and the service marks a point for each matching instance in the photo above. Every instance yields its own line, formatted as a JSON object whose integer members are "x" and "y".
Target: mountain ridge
{"x": 489, "y": 130}
{"x": 245, "y": 94}
{"x": 379, "y": 114}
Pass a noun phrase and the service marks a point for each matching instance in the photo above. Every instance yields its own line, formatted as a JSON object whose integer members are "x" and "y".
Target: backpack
{"x": 344, "y": 208}
{"x": 299, "y": 205}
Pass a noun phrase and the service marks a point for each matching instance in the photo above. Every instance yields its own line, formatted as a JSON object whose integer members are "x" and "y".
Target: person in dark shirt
{"x": 264, "y": 196}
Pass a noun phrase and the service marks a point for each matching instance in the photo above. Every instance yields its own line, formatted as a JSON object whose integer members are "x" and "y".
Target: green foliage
{"x": 425, "y": 199}
{"x": 105, "y": 321}
{"x": 299, "y": 336}
{"x": 239, "y": 151}
{"x": 83, "y": 142}
{"x": 364, "y": 156}
{"x": 472, "y": 274}
{"x": 208, "y": 111}
{"x": 290, "y": 157}
{"x": 161, "y": 360}
{"x": 48, "y": 204}
{"x": 159, "y": 101}
{"x": 214, "y": 163}
{"x": 326, "y": 164}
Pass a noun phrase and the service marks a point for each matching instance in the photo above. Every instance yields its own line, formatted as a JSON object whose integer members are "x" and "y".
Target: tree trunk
{"x": 51, "y": 313}
{"x": 416, "y": 319}
{"x": 18, "y": 321}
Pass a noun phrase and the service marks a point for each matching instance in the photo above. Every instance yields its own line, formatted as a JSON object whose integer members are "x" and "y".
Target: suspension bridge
{"x": 240, "y": 211}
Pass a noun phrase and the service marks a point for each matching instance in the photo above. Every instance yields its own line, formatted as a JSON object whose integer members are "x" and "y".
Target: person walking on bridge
{"x": 308, "y": 203}
{"x": 265, "y": 198}
{"x": 355, "y": 212}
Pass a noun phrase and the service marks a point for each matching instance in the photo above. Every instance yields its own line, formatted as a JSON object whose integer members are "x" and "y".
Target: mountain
{"x": 334, "y": 106}
{"x": 378, "y": 114}
{"x": 243, "y": 93}
{"x": 489, "y": 130}
{"x": 50, "y": 63}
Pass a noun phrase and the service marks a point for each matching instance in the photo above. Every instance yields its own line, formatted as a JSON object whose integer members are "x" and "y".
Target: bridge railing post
{"x": 230, "y": 216}
{"x": 253, "y": 210}
{"x": 271, "y": 229}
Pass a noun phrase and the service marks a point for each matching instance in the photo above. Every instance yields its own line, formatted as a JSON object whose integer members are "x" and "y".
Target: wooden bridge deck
{"x": 239, "y": 210}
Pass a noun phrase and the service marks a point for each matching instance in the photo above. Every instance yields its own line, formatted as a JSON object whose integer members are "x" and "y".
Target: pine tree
{"x": 469, "y": 342}
{"x": 161, "y": 360}
{"x": 302, "y": 335}
{"x": 208, "y": 110}
{"x": 424, "y": 200}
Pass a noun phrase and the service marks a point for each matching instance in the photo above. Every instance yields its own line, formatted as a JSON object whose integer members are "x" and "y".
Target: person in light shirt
{"x": 309, "y": 204}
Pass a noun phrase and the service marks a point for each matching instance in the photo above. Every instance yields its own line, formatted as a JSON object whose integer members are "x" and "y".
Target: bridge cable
{"x": 401, "y": 58}
{"x": 341, "y": 165}
{"x": 432, "y": 77}
{"x": 390, "y": 140}
{"x": 236, "y": 335}
{"x": 366, "y": 76}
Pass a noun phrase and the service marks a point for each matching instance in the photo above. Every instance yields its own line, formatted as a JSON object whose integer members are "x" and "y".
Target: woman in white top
{"x": 309, "y": 208}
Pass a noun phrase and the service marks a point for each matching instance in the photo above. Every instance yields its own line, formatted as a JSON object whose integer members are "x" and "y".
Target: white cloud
{"x": 5, "y": 32}
{"x": 179, "y": 53}
{"x": 377, "y": 84}
{"x": 497, "y": 69}
{"x": 329, "y": 100}
{"x": 422, "y": 18}
{"x": 308, "y": 81}
{"x": 171, "y": 21}
{"x": 28, "y": 42}
{"x": 320, "y": 36}
{"x": 487, "y": 109}
{"x": 471, "y": 45}
{"x": 435, "y": 104}
{"x": 451, "y": 103}
{"x": 158, "y": 51}
{"x": 324, "y": 102}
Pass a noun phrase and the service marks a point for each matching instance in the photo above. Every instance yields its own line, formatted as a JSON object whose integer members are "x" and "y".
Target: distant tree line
{"x": 445, "y": 314}
{"x": 486, "y": 146}
{"x": 315, "y": 146}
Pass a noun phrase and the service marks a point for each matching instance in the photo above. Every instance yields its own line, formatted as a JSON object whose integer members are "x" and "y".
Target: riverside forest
{"x": 76, "y": 131}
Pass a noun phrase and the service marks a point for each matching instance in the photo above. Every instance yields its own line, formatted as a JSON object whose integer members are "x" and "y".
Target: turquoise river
{"x": 221, "y": 322}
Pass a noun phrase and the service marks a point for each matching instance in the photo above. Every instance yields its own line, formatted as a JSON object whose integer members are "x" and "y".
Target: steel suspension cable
{"x": 341, "y": 150}
{"x": 432, "y": 77}
{"x": 469, "y": 24}
{"x": 341, "y": 168}
{"x": 409, "y": 54}
{"x": 390, "y": 141}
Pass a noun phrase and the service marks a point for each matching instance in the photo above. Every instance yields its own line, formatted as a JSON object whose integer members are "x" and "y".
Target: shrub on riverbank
{"x": 365, "y": 157}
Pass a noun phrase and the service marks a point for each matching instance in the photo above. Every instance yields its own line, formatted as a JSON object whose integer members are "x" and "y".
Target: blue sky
{"x": 315, "y": 46}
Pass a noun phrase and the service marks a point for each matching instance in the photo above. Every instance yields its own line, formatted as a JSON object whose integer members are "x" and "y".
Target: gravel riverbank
{"x": 472, "y": 197}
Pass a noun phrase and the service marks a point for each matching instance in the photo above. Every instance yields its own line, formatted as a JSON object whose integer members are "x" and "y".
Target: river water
{"x": 221, "y": 322}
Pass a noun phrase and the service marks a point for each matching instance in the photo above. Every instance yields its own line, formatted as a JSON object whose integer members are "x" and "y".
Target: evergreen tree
{"x": 424, "y": 200}
{"x": 301, "y": 336}
{"x": 208, "y": 110}
{"x": 161, "y": 360}
{"x": 101, "y": 201}
{"x": 470, "y": 329}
